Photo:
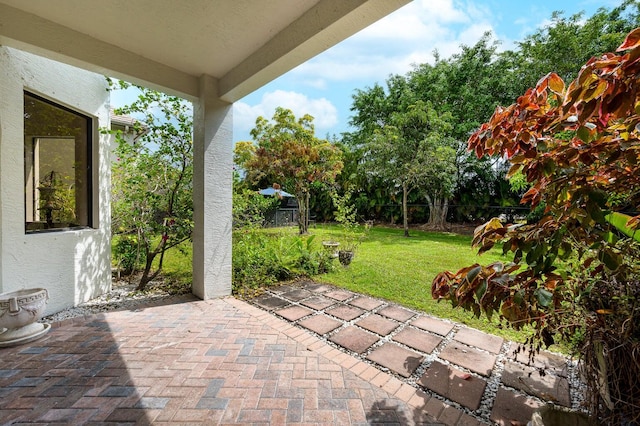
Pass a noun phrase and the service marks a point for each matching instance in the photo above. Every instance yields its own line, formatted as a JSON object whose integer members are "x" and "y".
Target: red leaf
{"x": 632, "y": 40}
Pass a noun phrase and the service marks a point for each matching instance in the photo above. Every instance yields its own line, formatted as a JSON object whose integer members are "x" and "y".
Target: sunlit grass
{"x": 389, "y": 266}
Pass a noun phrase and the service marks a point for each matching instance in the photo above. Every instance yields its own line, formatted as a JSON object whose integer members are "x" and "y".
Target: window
{"x": 57, "y": 166}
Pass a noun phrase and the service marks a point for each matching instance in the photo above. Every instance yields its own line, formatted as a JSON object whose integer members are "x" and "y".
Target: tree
{"x": 566, "y": 43}
{"x": 451, "y": 87}
{"x": 577, "y": 269}
{"x": 286, "y": 151}
{"x": 412, "y": 152}
{"x": 404, "y": 146}
{"x": 469, "y": 85}
{"x": 152, "y": 202}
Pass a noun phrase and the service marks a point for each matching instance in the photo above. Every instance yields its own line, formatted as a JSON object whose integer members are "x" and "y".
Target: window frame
{"x": 90, "y": 161}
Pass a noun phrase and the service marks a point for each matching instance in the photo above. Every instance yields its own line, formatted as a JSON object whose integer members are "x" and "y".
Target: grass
{"x": 389, "y": 266}
{"x": 177, "y": 264}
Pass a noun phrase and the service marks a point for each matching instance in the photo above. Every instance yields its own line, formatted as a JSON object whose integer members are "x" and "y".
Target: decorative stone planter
{"x": 331, "y": 247}
{"x": 19, "y": 311}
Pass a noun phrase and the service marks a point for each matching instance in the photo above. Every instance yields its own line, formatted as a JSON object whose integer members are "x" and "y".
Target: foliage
{"x": 563, "y": 45}
{"x": 152, "y": 178}
{"x": 572, "y": 270}
{"x": 469, "y": 85}
{"x": 126, "y": 253}
{"x": 287, "y": 152}
{"x": 462, "y": 91}
{"x": 404, "y": 143}
{"x": 261, "y": 258}
{"x": 414, "y": 151}
{"x": 250, "y": 208}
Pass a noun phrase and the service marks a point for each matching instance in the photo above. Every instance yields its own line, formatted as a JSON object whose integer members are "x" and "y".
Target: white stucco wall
{"x": 73, "y": 265}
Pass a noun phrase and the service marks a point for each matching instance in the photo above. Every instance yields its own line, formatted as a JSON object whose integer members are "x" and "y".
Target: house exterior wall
{"x": 73, "y": 265}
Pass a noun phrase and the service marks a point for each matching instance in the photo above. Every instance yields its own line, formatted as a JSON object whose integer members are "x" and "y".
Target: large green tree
{"x": 563, "y": 45}
{"x": 286, "y": 151}
{"x": 404, "y": 146}
{"x": 412, "y": 152}
{"x": 152, "y": 204}
{"x": 469, "y": 85}
{"x": 451, "y": 86}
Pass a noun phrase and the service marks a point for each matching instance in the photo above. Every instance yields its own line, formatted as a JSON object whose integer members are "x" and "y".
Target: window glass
{"x": 57, "y": 166}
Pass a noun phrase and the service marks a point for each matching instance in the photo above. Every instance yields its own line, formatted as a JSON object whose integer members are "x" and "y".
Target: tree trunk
{"x": 303, "y": 212}
{"x": 438, "y": 209}
{"x": 147, "y": 276}
{"x": 306, "y": 216}
{"x": 146, "y": 273}
{"x": 405, "y": 219}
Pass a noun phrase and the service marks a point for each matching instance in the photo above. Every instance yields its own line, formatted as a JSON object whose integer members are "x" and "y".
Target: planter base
{"x": 28, "y": 333}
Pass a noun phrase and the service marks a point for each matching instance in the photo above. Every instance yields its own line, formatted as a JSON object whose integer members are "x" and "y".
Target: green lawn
{"x": 387, "y": 265}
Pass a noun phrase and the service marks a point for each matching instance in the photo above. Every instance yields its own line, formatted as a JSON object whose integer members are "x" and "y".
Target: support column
{"x": 212, "y": 192}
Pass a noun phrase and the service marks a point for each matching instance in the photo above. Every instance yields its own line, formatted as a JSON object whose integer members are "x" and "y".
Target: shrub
{"x": 127, "y": 254}
{"x": 261, "y": 259}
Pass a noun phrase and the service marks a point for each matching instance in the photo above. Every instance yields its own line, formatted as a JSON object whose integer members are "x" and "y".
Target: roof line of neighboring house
{"x": 129, "y": 123}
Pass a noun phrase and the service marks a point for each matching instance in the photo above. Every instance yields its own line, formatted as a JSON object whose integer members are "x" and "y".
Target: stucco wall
{"x": 73, "y": 265}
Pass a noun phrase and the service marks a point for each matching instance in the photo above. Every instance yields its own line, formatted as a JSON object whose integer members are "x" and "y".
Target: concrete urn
{"x": 19, "y": 311}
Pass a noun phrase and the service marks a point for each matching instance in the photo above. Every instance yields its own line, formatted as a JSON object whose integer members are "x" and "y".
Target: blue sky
{"x": 324, "y": 85}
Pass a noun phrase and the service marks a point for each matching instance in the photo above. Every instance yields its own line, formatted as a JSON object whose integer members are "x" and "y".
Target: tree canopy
{"x": 286, "y": 151}
{"x": 412, "y": 151}
{"x": 468, "y": 86}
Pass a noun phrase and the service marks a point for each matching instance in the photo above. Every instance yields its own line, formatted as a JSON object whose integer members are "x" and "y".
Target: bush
{"x": 251, "y": 208}
{"x": 127, "y": 254}
{"x": 261, "y": 259}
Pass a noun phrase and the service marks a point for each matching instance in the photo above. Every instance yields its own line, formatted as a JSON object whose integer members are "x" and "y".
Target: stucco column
{"x": 212, "y": 192}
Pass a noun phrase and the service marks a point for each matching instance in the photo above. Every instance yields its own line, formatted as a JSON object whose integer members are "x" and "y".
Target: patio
{"x": 311, "y": 354}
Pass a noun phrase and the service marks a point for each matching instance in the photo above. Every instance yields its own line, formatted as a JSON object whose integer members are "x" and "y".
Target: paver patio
{"x": 220, "y": 361}
{"x": 226, "y": 361}
{"x": 449, "y": 362}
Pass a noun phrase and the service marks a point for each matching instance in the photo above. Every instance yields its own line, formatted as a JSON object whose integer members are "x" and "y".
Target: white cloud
{"x": 323, "y": 111}
{"x": 445, "y": 11}
{"x": 393, "y": 44}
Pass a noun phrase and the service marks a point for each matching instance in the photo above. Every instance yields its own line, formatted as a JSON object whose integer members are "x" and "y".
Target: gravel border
{"x": 123, "y": 295}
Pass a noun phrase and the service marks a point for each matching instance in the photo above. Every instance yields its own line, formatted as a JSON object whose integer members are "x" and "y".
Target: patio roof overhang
{"x": 168, "y": 45}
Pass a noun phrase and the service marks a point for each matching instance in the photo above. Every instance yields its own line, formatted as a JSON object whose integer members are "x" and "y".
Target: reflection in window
{"x": 57, "y": 166}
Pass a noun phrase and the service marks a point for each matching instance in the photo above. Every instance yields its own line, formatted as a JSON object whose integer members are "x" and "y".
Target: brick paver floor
{"x": 466, "y": 377}
{"x": 304, "y": 353}
{"x": 220, "y": 361}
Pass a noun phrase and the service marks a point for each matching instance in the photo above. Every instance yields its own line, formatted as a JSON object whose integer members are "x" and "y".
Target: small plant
{"x": 127, "y": 254}
{"x": 352, "y": 233}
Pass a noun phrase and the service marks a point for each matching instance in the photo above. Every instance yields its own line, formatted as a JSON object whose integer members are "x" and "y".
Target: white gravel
{"x": 122, "y": 295}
